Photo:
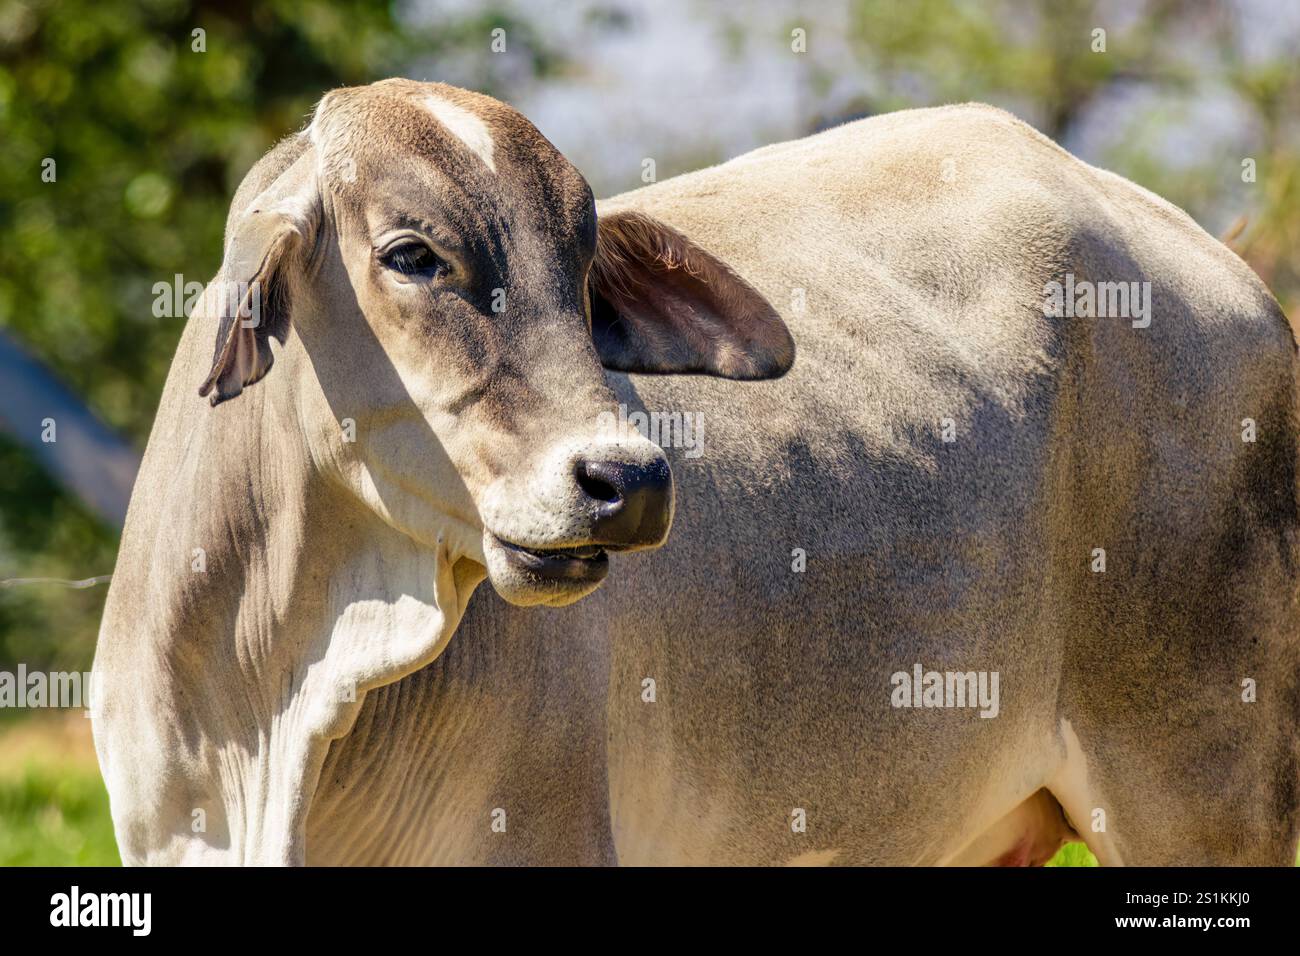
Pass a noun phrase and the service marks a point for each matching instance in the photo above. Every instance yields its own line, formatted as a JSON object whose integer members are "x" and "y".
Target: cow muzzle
{"x": 553, "y": 546}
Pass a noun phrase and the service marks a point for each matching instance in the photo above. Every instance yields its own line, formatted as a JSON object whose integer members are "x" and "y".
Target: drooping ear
{"x": 248, "y": 301}
{"x": 661, "y": 304}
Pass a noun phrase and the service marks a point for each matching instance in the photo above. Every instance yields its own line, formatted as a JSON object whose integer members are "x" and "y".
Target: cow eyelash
{"x": 414, "y": 259}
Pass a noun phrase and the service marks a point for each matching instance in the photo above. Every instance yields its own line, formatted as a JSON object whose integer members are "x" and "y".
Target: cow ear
{"x": 250, "y": 297}
{"x": 661, "y": 304}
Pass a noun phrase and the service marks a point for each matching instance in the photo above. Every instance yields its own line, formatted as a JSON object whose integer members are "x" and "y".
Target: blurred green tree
{"x": 1040, "y": 59}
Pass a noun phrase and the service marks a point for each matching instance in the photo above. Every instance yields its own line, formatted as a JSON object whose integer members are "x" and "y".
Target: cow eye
{"x": 413, "y": 259}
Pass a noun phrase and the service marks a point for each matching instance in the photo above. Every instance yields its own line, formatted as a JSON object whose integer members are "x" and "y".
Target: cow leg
{"x": 1215, "y": 798}
{"x": 1179, "y": 726}
{"x": 1180, "y": 685}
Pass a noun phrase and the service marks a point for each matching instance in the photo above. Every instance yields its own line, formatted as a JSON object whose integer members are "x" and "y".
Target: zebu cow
{"x": 952, "y": 476}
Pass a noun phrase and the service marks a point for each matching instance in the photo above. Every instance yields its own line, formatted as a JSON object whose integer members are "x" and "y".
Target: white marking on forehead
{"x": 464, "y": 125}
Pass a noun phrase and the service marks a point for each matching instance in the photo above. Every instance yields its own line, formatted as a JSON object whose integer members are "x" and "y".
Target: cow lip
{"x": 583, "y": 552}
{"x": 579, "y": 563}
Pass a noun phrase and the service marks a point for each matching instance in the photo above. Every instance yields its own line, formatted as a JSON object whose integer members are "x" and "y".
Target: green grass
{"x": 54, "y": 809}
{"x": 55, "y": 818}
{"x": 1073, "y": 854}
{"x": 59, "y": 817}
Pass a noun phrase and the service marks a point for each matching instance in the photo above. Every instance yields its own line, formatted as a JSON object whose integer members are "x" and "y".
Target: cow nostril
{"x": 596, "y": 486}
{"x": 629, "y": 503}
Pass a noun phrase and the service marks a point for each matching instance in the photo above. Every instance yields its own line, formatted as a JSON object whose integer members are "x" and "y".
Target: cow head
{"x": 443, "y": 265}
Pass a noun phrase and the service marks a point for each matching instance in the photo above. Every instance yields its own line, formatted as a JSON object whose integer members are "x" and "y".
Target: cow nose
{"x": 633, "y": 502}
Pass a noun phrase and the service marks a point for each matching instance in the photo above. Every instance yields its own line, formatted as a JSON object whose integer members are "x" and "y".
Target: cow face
{"x": 456, "y": 300}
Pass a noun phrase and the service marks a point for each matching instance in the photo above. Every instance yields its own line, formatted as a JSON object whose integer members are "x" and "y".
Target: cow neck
{"x": 297, "y": 602}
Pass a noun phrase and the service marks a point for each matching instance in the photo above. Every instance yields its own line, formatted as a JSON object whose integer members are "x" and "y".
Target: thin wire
{"x": 84, "y": 583}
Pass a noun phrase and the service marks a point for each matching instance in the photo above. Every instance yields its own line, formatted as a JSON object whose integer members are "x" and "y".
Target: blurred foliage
{"x": 47, "y": 533}
{"x": 1037, "y": 59}
{"x": 150, "y": 139}
{"x": 53, "y": 805}
{"x": 52, "y": 817}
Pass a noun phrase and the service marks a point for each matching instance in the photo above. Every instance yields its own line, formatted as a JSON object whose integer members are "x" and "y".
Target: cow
{"x": 960, "y": 570}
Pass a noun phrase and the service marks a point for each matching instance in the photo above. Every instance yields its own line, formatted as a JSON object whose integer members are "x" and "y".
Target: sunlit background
{"x": 150, "y": 138}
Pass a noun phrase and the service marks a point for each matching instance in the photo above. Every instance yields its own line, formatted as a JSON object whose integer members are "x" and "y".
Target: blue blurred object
{"x": 86, "y": 457}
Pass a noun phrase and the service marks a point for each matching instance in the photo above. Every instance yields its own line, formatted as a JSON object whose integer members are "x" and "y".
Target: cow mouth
{"x": 584, "y": 564}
